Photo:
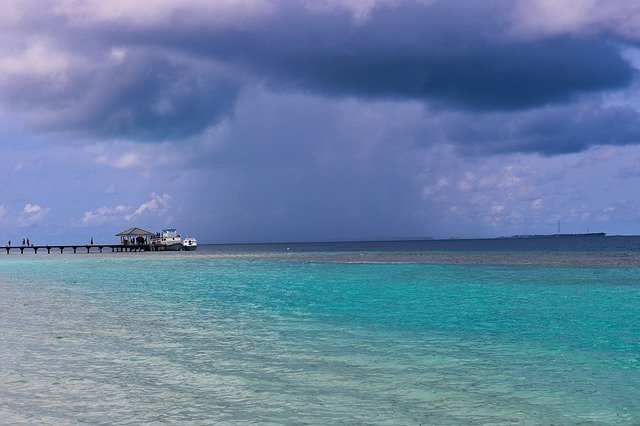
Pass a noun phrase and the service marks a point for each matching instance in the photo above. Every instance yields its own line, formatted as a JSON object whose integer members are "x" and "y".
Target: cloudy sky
{"x": 312, "y": 120}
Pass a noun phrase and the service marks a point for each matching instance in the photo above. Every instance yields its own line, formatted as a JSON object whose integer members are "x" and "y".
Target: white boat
{"x": 190, "y": 244}
{"x": 167, "y": 240}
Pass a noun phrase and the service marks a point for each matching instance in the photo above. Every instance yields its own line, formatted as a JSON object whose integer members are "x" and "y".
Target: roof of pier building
{"x": 135, "y": 232}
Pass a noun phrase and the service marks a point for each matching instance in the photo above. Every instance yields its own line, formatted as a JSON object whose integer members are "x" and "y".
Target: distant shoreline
{"x": 587, "y": 234}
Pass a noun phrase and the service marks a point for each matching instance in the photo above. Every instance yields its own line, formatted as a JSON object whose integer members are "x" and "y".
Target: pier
{"x": 95, "y": 248}
{"x": 131, "y": 240}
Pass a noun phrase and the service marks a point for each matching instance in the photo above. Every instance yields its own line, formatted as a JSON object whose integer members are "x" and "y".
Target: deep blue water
{"x": 550, "y": 243}
{"x": 287, "y": 334}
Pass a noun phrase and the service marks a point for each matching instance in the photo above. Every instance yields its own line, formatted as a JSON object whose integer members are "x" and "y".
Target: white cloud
{"x": 104, "y": 215}
{"x": 441, "y": 184}
{"x": 537, "y": 204}
{"x": 117, "y": 54}
{"x": 605, "y": 215}
{"x": 541, "y": 18}
{"x": 158, "y": 205}
{"x": 32, "y": 213}
{"x": 126, "y": 160}
{"x": 145, "y": 13}
{"x": 37, "y": 58}
{"x": 26, "y": 216}
{"x": 126, "y": 155}
{"x": 361, "y": 9}
{"x": 32, "y": 209}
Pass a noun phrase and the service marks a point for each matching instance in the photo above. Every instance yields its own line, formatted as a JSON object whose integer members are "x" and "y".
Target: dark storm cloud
{"x": 548, "y": 131}
{"x": 149, "y": 96}
{"x": 182, "y": 74}
{"x": 456, "y": 53}
{"x": 143, "y": 96}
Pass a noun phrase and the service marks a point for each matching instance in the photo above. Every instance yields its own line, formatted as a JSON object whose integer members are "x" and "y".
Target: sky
{"x": 318, "y": 120}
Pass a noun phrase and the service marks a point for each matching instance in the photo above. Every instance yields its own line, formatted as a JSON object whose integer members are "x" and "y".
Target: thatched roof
{"x": 134, "y": 232}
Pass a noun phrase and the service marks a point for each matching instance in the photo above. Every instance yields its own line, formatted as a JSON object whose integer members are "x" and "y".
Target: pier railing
{"x": 96, "y": 248}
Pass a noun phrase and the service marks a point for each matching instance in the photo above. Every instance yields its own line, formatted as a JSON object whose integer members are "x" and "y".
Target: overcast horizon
{"x": 331, "y": 120}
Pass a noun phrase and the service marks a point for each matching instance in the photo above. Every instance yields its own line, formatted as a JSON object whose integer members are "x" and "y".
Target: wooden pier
{"x": 95, "y": 248}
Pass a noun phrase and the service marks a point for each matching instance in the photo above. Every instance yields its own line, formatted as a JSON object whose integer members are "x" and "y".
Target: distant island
{"x": 587, "y": 234}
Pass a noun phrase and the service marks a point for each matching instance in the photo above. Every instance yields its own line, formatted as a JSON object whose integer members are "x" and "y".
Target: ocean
{"x": 536, "y": 330}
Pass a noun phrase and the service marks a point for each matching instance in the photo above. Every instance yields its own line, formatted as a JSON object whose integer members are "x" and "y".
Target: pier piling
{"x": 115, "y": 248}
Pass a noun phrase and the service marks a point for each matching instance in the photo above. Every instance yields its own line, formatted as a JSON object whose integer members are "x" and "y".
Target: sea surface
{"x": 533, "y": 331}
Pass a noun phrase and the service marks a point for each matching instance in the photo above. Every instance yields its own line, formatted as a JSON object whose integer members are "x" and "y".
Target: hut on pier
{"x": 135, "y": 236}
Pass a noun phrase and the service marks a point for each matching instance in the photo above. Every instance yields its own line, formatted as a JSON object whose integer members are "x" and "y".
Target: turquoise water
{"x": 208, "y": 338}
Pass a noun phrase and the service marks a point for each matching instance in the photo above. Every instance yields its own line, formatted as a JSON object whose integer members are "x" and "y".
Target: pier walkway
{"x": 95, "y": 248}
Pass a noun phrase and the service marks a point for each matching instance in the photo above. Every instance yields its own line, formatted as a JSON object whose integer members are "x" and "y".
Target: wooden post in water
{"x": 115, "y": 248}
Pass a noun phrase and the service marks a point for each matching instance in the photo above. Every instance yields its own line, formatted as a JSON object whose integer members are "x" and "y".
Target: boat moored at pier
{"x": 190, "y": 244}
{"x": 167, "y": 240}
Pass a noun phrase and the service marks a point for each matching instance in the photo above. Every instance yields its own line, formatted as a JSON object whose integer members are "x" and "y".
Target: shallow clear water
{"x": 211, "y": 337}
